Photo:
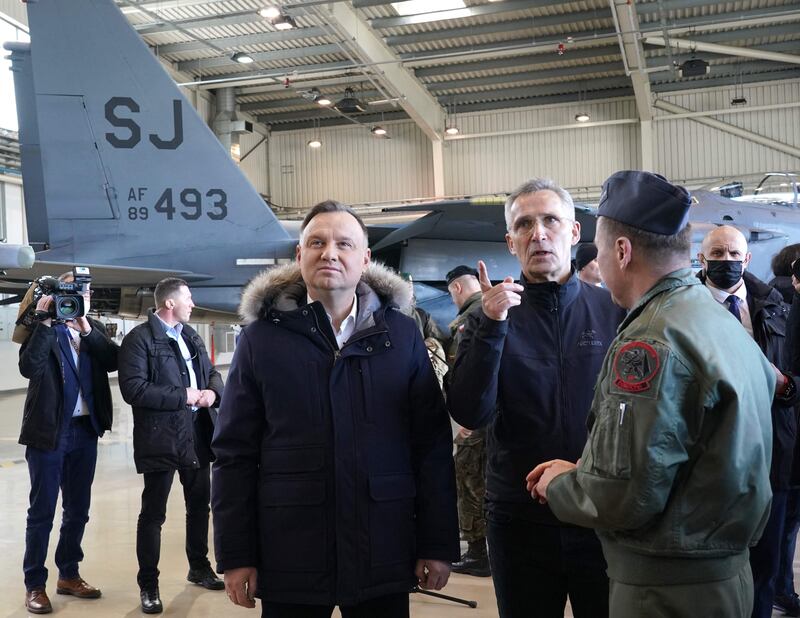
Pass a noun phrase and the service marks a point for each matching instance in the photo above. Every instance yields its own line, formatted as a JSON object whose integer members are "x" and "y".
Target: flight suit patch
{"x": 636, "y": 365}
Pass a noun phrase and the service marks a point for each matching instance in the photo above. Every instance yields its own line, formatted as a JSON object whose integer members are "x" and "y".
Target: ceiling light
{"x": 270, "y": 12}
{"x": 349, "y": 104}
{"x": 739, "y": 101}
{"x": 314, "y": 143}
{"x": 378, "y": 130}
{"x": 322, "y": 100}
{"x": 242, "y": 58}
{"x": 452, "y": 130}
{"x": 694, "y": 67}
{"x": 582, "y": 117}
{"x": 284, "y": 22}
{"x": 415, "y": 7}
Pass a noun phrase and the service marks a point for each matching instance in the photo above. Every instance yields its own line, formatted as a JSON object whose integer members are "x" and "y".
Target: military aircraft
{"x": 122, "y": 175}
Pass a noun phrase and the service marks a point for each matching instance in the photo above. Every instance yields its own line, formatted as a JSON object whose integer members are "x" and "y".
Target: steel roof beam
{"x": 731, "y": 80}
{"x": 745, "y": 52}
{"x": 531, "y": 60}
{"x": 311, "y": 115}
{"x": 610, "y": 93}
{"x": 195, "y": 23}
{"x": 301, "y": 82}
{"x": 269, "y": 56}
{"x": 262, "y": 38}
{"x": 525, "y": 76}
{"x": 483, "y": 9}
{"x": 417, "y": 101}
{"x": 278, "y": 103}
{"x": 531, "y": 23}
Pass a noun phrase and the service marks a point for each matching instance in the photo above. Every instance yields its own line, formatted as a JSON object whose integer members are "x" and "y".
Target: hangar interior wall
{"x": 355, "y": 167}
{"x": 687, "y": 151}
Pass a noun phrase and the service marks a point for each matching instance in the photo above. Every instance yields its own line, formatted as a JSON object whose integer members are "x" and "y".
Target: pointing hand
{"x": 499, "y": 298}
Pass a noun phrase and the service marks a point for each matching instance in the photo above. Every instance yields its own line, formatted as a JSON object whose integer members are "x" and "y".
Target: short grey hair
{"x": 533, "y": 186}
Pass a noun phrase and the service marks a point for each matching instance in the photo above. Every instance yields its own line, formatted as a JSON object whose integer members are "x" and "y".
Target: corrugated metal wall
{"x": 687, "y": 151}
{"x": 352, "y": 166}
{"x": 255, "y": 165}
{"x": 578, "y": 156}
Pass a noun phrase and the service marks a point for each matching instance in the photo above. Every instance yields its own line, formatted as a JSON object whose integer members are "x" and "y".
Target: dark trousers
{"x": 765, "y": 557}
{"x": 196, "y": 494}
{"x": 70, "y": 468}
{"x": 389, "y": 606}
{"x": 535, "y": 568}
{"x": 784, "y": 584}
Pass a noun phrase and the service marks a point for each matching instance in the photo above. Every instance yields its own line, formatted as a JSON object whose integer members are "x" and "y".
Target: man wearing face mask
{"x": 763, "y": 314}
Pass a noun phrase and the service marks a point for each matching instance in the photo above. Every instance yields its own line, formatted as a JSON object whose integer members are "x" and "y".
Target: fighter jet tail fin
{"x": 112, "y": 151}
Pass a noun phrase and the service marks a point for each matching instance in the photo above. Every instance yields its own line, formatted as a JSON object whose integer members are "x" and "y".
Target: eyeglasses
{"x": 552, "y": 223}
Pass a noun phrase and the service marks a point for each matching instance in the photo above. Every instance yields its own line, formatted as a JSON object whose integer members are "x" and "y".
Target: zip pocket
{"x": 611, "y": 440}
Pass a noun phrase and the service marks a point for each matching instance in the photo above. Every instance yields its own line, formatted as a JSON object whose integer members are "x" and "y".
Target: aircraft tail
{"x": 112, "y": 149}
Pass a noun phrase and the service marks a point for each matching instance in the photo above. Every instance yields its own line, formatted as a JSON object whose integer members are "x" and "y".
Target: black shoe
{"x": 477, "y": 567}
{"x": 151, "y": 602}
{"x": 789, "y": 605}
{"x": 206, "y": 578}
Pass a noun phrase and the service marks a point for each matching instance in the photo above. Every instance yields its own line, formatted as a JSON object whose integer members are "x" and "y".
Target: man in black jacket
{"x": 166, "y": 376}
{"x": 762, "y": 312}
{"x": 67, "y": 407}
{"x": 333, "y": 483}
{"x": 526, "y": 367}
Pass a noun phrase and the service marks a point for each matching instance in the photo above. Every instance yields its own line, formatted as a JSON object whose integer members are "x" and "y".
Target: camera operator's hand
{"x": 80, "y": 324}
{"x": 192, "y": 396}
{"x": 44, "y": 306}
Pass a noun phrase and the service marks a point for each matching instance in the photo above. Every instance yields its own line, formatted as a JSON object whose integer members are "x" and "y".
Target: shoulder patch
{"x": 636, "y": 365}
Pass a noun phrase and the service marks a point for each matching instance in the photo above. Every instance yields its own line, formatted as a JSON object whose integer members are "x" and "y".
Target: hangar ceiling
{"x": 487, "y": 55}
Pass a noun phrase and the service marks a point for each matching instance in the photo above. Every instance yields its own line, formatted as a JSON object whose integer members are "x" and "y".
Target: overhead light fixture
{"x": 582, "y": 117}
{"x": 450, "y": 126}
{"x": 415, "y": 7}
{"x": 314, "y": 143}
{"x": 242, "y": 58}
{"x": 452, "y": 130}
{"x": 270, "y": 12}
{"x": 378, "y": 130}
{"x": 284, "y": 22}
{"x": 738, "y": 101}
{"x": 322, "y": 100}
{"x": 349, "y": 104}
{"x": 694, "y": 67}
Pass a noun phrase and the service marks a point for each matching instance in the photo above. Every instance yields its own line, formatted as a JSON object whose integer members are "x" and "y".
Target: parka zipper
{"x": 561, "y": 390}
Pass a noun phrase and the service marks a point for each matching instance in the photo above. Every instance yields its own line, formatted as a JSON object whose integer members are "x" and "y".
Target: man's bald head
{"x": 724, "y": 236}
{"x": 724, "y": 257}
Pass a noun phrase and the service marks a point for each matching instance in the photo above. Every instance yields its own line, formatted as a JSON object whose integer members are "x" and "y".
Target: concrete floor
{"x": 109, "y": 542}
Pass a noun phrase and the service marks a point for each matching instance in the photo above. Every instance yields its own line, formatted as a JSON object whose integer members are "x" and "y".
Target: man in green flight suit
{"x": 470, "y": 457}
{"x": 675, "y": 473}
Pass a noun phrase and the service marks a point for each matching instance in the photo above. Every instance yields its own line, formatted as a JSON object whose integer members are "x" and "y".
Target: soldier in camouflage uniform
{"x": 470, "y": 457}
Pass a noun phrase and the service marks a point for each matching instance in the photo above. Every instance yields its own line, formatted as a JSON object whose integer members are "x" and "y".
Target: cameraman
{"x": 68, "y": 405}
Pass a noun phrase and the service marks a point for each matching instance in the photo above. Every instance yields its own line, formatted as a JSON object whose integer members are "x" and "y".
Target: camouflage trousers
{"x": 470, "y": 463}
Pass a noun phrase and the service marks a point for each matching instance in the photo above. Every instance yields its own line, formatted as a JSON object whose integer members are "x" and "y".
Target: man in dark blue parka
{"x": 333, "y": 483}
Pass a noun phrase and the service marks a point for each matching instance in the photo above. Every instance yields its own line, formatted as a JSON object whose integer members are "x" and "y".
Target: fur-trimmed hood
{"x": 284, "y": 289}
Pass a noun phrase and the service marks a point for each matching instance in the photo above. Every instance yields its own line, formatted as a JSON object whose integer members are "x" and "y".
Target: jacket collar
{"x": 676, "y": 279}
{"x": 470, "y": 302}
{"x": 157, "y": 327}
{"x": 552, "y": 295}
{"x": 283, "y": 289}
{"x": 759, "y": 294}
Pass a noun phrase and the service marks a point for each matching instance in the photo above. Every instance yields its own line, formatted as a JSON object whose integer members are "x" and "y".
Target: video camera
{"x": 68, "y": 302}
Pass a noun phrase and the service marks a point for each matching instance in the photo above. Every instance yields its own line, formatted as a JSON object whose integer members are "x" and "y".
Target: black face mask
{"x": 724, "y": 273}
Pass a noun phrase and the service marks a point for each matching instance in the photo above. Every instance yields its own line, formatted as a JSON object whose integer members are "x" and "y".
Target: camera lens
{"x": 68, "y": 308}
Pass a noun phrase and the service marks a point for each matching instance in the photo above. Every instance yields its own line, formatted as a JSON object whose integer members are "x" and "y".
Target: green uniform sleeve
{"x": 637, "y": 442}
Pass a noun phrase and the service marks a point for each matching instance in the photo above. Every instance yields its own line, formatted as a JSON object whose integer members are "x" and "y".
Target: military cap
{"x": 584, "y": 254}
{"x": 645, "y": 201}
{"x": 460, "y": 271}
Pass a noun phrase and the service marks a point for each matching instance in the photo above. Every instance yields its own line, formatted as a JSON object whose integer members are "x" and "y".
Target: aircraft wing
{"x": 102, "y": 275}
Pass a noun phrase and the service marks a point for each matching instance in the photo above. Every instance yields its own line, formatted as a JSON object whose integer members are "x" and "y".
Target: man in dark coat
{"x": 333, "y": 483}
{"x": 166, "y": 376}
{"x": 763, "y": 314}
{"x": 526, "y": 369}
{"x": 67, "y": 407}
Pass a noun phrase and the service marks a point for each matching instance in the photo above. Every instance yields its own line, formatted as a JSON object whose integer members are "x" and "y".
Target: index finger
{"x": 483, "y": 277}
{"x": 534, "y": 474}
